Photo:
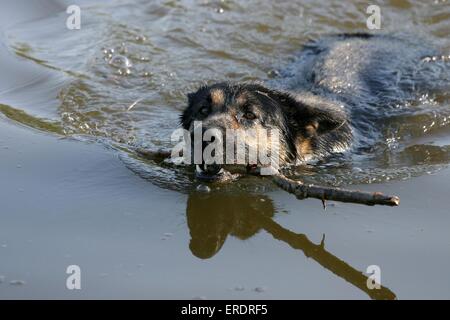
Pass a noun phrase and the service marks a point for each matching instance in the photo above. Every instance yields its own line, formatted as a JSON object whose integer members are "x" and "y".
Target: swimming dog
{"x": 331, "y": 98}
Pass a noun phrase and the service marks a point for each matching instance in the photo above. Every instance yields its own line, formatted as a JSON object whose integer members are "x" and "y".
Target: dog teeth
{"x": 199, "y": 169}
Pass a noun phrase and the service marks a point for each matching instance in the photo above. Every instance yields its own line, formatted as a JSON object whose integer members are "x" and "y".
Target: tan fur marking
{"x": 304, "y": 148}
{"x": 241, "y": 100}
{"x": 234, "y": 121}
{"x": 311, "y": 129}
{"x": 217, "y": 97}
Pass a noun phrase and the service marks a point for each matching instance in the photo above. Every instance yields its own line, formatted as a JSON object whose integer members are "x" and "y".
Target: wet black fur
{"x": 284, "y": 110}
{"x": 345, "y": 85}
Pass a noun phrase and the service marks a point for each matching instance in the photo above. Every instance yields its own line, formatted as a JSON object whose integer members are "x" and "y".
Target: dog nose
{"x": 210, "y": 165}
{"x": 211, "y": 169}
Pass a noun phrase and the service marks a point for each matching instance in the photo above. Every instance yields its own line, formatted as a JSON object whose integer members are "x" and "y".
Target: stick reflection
{"x": 211, "y": 217}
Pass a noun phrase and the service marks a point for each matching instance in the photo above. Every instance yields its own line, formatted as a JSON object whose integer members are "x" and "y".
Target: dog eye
{"x": 249, "y": 115}
{"x": 204, "y": 110}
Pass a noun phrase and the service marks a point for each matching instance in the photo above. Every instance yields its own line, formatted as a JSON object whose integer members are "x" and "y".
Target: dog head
{"x": 285, "y": 126}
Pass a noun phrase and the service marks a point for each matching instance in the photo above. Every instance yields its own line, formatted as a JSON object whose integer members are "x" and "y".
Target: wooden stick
{"x": 159, "y": 154}
{"x": 302, "y": 191}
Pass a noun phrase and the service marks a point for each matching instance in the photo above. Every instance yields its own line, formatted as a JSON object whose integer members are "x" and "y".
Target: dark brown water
{"x": 81, "y": 84}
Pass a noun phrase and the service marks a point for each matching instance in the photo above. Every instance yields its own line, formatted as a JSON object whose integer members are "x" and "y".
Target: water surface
{"x": 245, "y": 240}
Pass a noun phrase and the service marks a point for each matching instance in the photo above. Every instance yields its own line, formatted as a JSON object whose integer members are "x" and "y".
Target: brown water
{"x": 81, "y": 83}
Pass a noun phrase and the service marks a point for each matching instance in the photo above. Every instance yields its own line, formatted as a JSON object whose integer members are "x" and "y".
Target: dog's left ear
{"x": 314, "y": 115}
{"x": 310, "y": 114}
{"x": 321, "y": 118}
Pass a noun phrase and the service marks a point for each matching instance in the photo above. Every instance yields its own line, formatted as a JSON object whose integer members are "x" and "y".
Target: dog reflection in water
{"x": 243, "y": 217}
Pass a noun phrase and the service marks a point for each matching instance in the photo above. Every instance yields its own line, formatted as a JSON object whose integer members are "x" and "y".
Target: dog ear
{"x": 185, "y": 117}
{"x": 310, "y": 114}
{"x": 314, "y": 115}
{"x": 319, "y": 119}
{"x": 190, "y": 97}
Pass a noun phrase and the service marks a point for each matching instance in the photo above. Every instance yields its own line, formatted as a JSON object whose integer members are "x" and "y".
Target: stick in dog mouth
{"x": 303, "y": 191}
{"x": 295, "y": 187}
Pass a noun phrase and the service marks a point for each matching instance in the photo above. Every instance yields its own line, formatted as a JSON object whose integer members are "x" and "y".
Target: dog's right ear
{"x": 190, "y": 97}
{"x": 193, "y": 98}
{"x": 186, "y": 115}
